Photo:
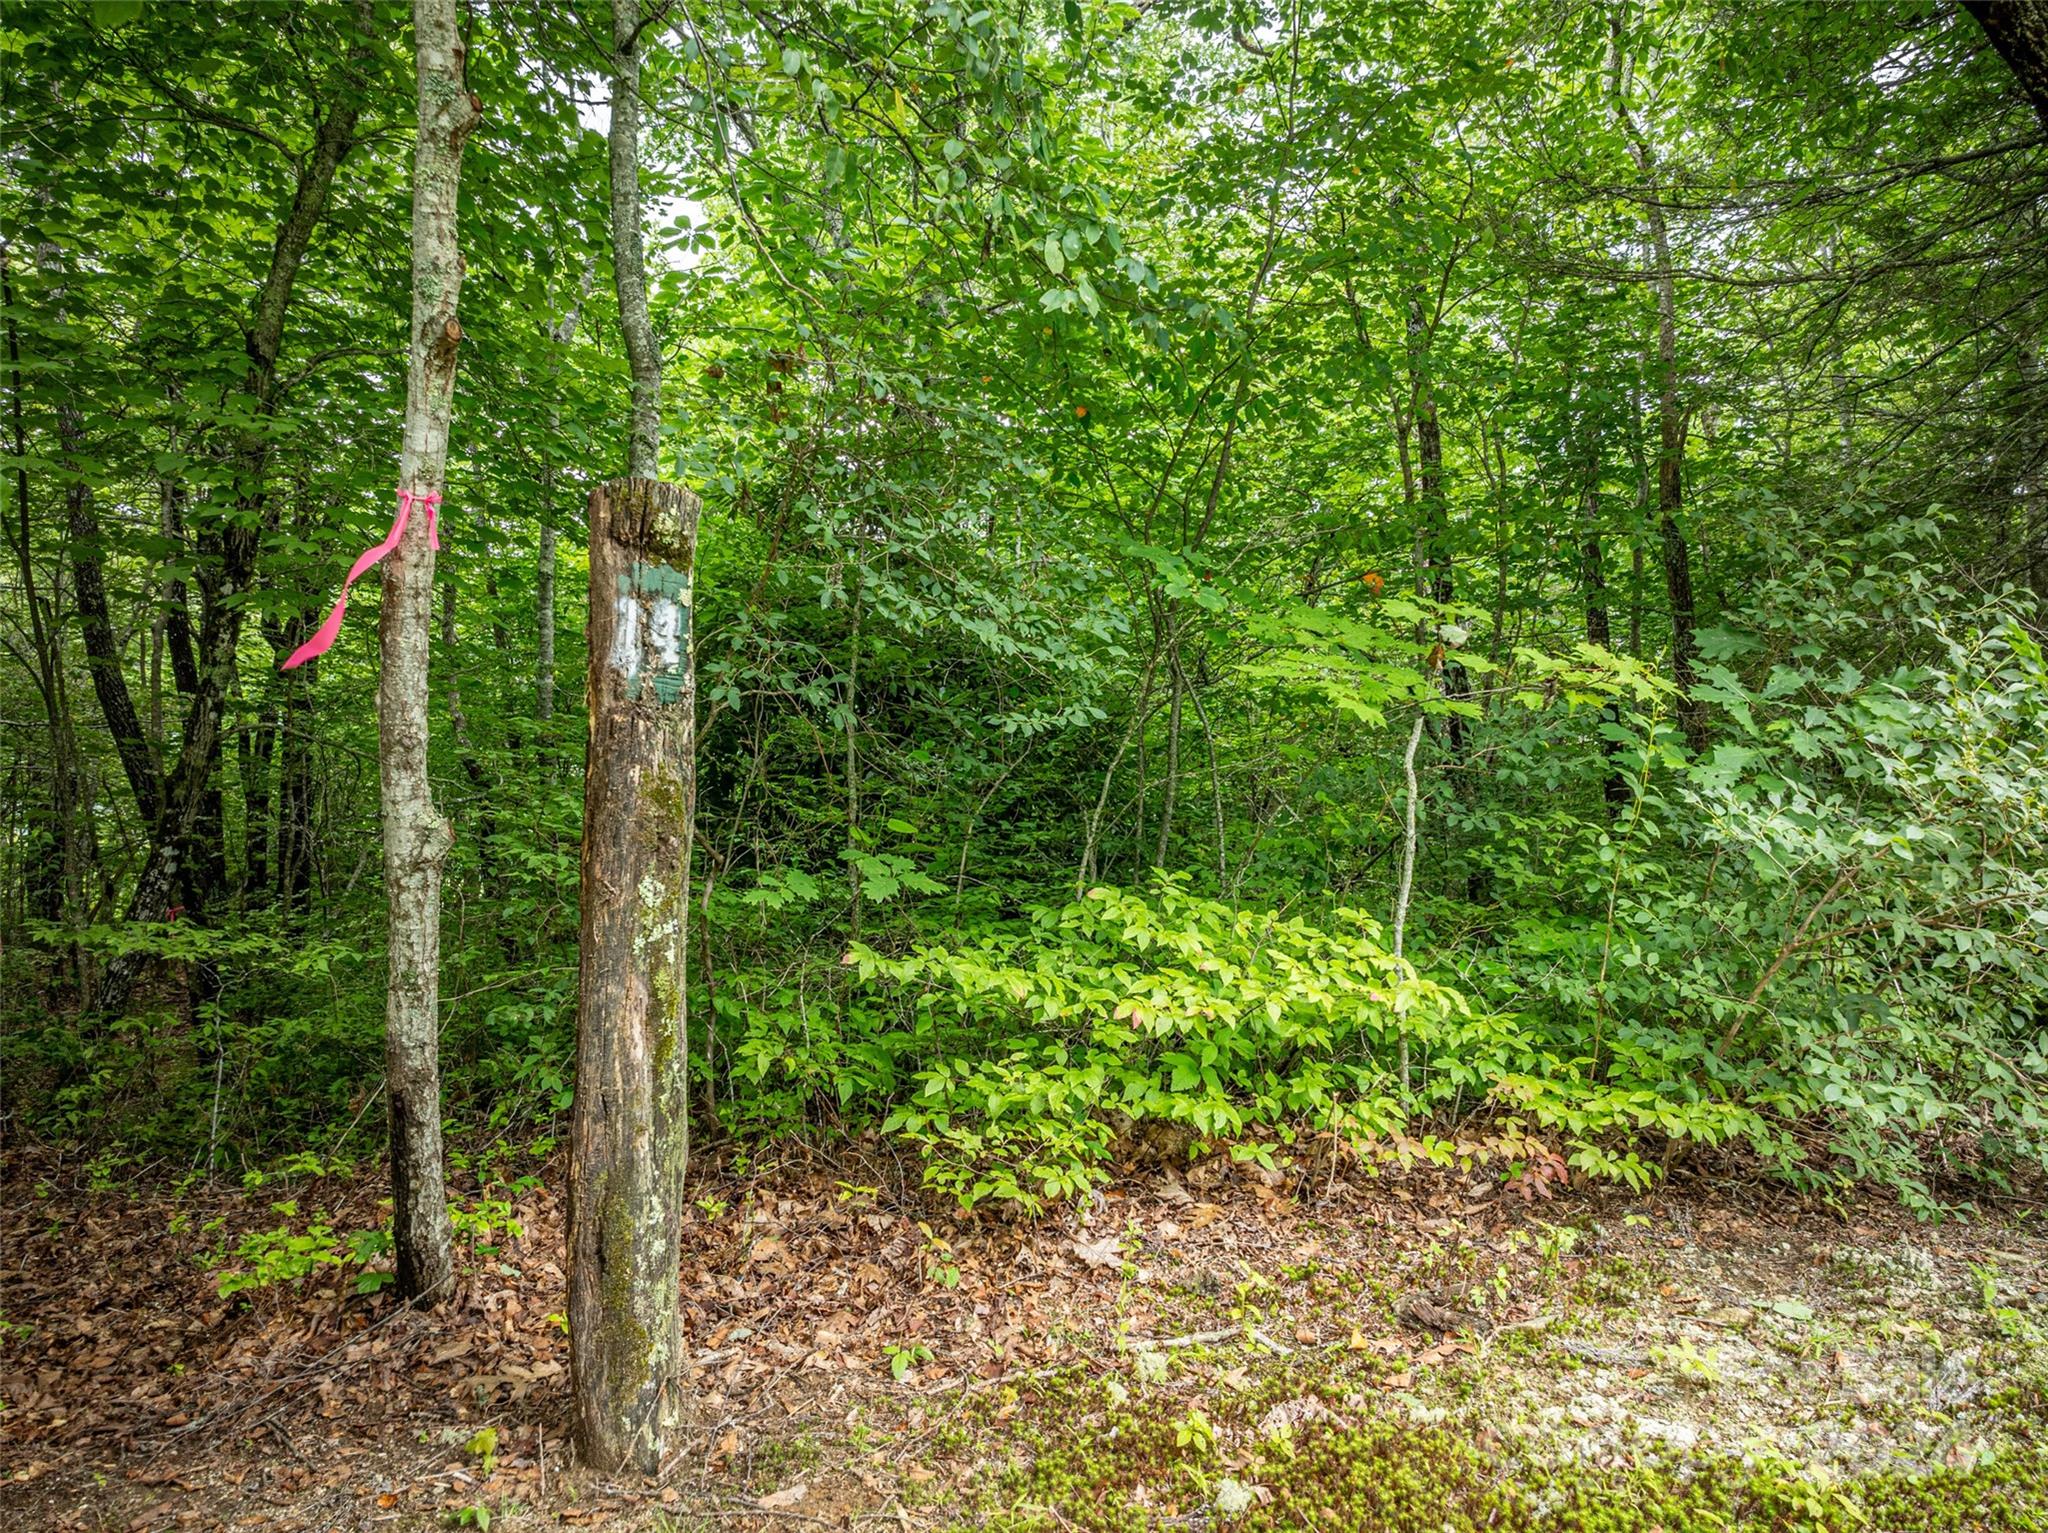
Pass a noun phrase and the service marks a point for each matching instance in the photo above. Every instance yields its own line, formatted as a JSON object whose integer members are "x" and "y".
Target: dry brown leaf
{"x": 1100, "y": 1253}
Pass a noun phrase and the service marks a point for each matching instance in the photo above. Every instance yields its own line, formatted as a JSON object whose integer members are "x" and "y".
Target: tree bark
{"x": 629, "y": 251}
{"x": 1692, "y": 716}
{"x": 629, "y": 1137}
{"x": 1171, "y": 799}
{"x": 96, "y": 626}
{"x": 292, "y": 858}
{"x": 2018, "y": 29}
{"x": 416, "y": 837}
{"x": 544, "y": 607}
{"x": 1435, "y": 571}
{"x": 256, "y": 753}
{"x": 561, "y": 334}
{"x": 1599, "y": 627}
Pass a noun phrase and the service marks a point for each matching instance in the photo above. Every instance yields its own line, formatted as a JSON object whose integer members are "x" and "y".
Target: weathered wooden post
{"x": 629, "y": 1139}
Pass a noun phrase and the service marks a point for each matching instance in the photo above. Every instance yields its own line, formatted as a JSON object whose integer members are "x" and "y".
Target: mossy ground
{"x": 1620, "y": 1375}
{"x": 1145, "y": 1468}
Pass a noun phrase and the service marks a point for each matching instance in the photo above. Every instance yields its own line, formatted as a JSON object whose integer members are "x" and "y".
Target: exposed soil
{"x": 858, "y": 1357}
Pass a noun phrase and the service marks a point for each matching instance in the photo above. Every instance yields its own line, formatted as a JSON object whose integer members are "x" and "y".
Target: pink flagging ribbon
{"x": 330, "y": 630}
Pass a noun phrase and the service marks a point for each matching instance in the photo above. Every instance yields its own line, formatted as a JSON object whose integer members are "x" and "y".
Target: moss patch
{"x": 1149, "y": 1467}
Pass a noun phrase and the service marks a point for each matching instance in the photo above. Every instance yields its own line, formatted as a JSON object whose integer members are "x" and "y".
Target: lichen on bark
{"x": 630, "y": 1132}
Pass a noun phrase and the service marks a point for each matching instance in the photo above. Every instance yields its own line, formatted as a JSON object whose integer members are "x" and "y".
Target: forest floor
{"x": 1220, "y": 1345}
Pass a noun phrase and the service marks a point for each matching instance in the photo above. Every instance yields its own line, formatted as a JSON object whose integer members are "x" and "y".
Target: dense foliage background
{"x": 1146, "y": 453}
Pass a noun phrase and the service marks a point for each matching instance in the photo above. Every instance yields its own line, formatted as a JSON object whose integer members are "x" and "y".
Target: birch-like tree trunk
{"x": 629, "y": 248}
{"x": 416, "y": 837}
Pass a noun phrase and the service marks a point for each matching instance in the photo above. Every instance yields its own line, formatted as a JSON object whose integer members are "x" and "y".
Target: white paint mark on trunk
{"x": 665, "y": 633}
{"x": 626, "y": 640}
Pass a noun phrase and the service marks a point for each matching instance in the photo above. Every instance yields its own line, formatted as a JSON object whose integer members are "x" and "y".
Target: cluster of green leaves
{"x": 298, "y": 1248}
{"x": 1236, "y": 1026}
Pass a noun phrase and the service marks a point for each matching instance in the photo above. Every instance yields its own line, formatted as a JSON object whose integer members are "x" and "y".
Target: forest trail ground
{"x": 1186, "y": 1349}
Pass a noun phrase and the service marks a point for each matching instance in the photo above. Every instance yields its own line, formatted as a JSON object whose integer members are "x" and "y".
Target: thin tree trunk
{"x": 544, "y": 569}
{"x": 458, "y": 721}
{"x": 1599, "y": 629}
{"x": 205, "y": 858}
{"x": 1593, "y": 576}
{"x": 629, "y": 1137}
{"x": 257, "y": 750}
{"x": 1175, "y": 687}
{"x": 1436, "y": 573}
{"x": 850, "y": 702}
{"x": 1410, "y": 837}
{"x": 629, "y": 251}
{"x": 1503, "y": 542}
{"x": 1692, "y": 715}
{"x": 293, "y": 858}
{"x": 1433, "y": 556}
{"x": 96, "y": 627}
{"x": 544, "y": 605}
{"x": 416, "y": 837}
{"x": 1136, "y": 727}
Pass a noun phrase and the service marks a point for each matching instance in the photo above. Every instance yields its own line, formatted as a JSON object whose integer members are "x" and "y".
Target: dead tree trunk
{"x": 629, "y": 1139}
{"x": 416, "y": 837}
{"x": 629, "y": 1136}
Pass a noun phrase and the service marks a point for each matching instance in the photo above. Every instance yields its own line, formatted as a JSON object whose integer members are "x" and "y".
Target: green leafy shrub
{"x": 1229, "y": 1024}
{"x": 297, "y": 1249}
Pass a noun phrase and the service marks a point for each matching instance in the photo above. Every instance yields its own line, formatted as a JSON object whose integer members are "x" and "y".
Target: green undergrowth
{"x": 1156, "y": 1465}
{"x": 1015, "y": 1059}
